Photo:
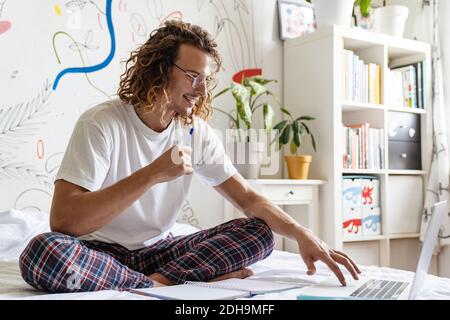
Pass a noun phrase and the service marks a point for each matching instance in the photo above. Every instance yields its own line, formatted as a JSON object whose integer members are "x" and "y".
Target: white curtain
{"x": 438, "y": 183}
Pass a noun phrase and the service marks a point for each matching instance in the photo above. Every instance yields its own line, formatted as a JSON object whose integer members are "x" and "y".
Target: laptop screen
{"x": 431, "y": 236}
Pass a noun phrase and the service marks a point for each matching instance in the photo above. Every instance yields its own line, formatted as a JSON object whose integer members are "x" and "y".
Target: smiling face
{"x": 183, "y": 97}
{"x": 155, "y": 84}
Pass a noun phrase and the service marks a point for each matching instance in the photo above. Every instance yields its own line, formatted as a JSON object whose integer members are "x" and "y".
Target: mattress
{"x": 279, "y": 266}
{"x": 13, "y": 287}
{"x": 11, "y": 283}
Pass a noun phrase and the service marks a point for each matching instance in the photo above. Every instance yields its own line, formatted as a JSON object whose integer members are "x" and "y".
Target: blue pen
{"x": 181, "y": 135}
{"x": 191, "y": 134}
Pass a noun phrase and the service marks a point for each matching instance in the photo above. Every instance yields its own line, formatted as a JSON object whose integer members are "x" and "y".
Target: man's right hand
{"x": 172, "y": 164}
{"x": 77, "y": 211}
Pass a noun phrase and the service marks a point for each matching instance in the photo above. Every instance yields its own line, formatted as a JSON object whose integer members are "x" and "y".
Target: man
{"x": 125, "y": 174}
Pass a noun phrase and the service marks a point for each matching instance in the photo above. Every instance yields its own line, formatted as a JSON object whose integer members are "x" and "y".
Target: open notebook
{"x": 218, "y": 290}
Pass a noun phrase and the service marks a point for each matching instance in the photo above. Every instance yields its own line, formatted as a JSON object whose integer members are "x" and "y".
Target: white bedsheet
{"x": 17, "y": 228}
{"x": 282, "y": 266}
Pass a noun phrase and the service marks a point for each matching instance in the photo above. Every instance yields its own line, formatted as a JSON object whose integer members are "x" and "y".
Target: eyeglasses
{"x": 197, "y": 79}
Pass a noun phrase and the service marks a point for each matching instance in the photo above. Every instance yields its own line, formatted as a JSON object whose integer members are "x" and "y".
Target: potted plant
{"x": 363, "y": 14}
{"x": 247, "y": 96}
{"x": 293, "y": 132}
{"x": 337, "y": 12}
{"x": 390, "y": 19}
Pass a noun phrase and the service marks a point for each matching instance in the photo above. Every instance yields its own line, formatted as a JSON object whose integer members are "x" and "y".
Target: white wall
{"x": 36, "y": 121}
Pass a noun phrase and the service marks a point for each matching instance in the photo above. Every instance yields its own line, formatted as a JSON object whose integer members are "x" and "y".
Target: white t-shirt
{"x": 110, "y": 142}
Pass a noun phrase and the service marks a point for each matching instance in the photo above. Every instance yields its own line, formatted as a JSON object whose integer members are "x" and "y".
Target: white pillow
{"x": 17, "y": 228}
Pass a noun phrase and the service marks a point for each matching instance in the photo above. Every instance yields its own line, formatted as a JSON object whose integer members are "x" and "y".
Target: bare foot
{"x": 158, "y": 284}
{"x": 159, "y": 280}
{"x": 241, "y": 274}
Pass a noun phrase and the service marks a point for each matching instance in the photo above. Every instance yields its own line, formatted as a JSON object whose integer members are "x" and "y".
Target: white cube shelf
{"x": 313, "y": 80}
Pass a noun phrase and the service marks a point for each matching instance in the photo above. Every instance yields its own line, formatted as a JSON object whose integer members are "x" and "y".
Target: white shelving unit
{"x": 313, "y": 86}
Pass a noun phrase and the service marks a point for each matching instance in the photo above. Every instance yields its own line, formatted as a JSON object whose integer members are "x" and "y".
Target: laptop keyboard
{"x": 380, "y": 289}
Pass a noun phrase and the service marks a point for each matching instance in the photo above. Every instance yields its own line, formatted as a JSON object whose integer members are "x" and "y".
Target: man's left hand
{"x": 313, "y": 249}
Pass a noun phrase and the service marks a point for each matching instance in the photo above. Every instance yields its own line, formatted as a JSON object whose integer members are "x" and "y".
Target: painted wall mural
{"x": 60, "y": 58}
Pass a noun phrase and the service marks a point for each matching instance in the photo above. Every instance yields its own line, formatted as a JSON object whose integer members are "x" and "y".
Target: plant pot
{"x": 298, "y": 166}
{"x": 246, "y": 157}
{"x": 329, "y": 12}
{"x": 390, "y": 20}
{"x": 364, "y": 22}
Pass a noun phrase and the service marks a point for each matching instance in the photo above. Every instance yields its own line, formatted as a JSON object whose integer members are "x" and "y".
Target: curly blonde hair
{"x": 145, "y": 79}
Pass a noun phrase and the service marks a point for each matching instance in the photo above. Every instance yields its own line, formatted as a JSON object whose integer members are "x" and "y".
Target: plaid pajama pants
{"x": 55, "y": 262}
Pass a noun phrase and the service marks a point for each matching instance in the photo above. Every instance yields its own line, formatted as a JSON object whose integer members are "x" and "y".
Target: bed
{"x": 18, "y": 227}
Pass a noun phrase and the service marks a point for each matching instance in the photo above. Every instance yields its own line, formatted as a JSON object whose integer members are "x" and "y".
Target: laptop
{"x": 375, "y": 289}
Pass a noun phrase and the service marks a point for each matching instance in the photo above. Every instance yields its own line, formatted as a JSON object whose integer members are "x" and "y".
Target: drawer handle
{"x": 403, "y": 155}
{"x": 290, "y": 192}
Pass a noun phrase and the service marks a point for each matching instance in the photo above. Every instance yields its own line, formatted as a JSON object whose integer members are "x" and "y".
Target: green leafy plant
{"x": 247, "y": 98}
{"x": 364, "y": 6}
{"x": 293, "y": 132}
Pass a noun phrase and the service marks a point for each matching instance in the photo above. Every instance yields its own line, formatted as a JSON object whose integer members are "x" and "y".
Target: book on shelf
{"x": 406, "y": 86}
{"x": 218, "y": 290}
{"x": 361, "y": 81}
{"x": 362, "y": 147}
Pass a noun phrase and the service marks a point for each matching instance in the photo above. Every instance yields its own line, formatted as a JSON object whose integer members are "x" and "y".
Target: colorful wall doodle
{"x": 101, "y": 65}
{"x": 4, "y": 24}
{"x": 59, "y": 58}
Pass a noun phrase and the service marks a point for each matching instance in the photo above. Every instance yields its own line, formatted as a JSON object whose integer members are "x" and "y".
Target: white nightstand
{"x": 292, "y": 196}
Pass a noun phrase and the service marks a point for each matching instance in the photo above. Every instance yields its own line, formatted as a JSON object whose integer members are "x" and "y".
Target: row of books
{"x": 363, "y": 147}
{"x": 406, "y": 86}
{"x": 362, "y": 82}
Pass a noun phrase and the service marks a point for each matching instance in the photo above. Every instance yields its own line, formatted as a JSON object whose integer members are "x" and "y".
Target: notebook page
{"x": 288, "y": 276}
{"x": 252, "y": 286}
{"x": 186, "y": 292}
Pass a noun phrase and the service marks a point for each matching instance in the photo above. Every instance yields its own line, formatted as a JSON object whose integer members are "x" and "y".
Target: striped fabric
{"x": 55, "y": 262}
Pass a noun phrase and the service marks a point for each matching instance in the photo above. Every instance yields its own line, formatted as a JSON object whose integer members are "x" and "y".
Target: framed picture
{"x": 296, "y": 18}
